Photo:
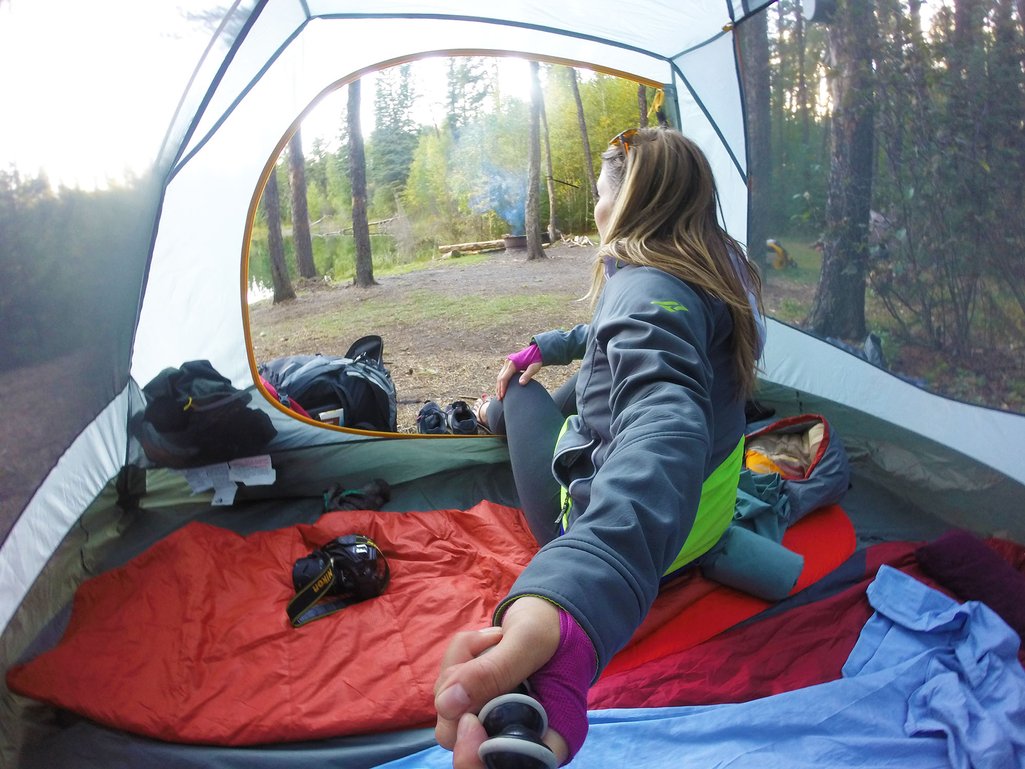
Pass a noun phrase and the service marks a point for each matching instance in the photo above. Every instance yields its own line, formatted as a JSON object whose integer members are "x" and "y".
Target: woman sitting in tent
{"x": 648, "y": 465}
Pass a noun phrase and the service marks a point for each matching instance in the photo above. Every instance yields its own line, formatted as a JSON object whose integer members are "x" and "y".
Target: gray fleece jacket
{"x": 658, "y": 410}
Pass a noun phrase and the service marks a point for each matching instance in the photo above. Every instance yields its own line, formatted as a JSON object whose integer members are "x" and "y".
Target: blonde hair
{"x": 665, "y": 216}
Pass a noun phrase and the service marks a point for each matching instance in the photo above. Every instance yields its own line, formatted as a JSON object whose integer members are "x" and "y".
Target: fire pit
{"x": 515, "y": 242}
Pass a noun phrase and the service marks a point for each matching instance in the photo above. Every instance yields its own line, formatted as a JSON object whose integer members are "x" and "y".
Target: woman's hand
{"x": 527, "y": 360}
{"x": 480, "y": 665}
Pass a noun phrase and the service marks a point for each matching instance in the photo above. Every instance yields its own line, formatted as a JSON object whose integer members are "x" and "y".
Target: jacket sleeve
{"x": 605, "y": 570}
{"x": 560, "y": 348}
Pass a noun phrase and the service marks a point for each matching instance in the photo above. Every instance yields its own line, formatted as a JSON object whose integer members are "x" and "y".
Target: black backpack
{"x": 194, "y": 416}
{"x": 356, "y": 389}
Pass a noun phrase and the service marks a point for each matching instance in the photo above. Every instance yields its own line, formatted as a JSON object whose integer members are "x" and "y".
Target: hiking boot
{"x": 460, "y": 419}
{"x": 431, "y": 419}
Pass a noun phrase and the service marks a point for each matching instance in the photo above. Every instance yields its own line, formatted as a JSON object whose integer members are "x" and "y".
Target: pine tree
{"x": 839, "y": 307}
{"x": 301, "y": 240}
{"x": 469, "y": 83}
{"x": 532, "y": 215}
{"x": 754, "y": 46}
{"x": 364, "y": 276}
{"x": 584, "y": 140}
{"x": 395, "y": 135}
{"x": 283, "y": 290}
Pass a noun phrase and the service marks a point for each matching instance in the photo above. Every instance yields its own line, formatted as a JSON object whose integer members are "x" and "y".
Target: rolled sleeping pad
{"x": 753, "y": 564}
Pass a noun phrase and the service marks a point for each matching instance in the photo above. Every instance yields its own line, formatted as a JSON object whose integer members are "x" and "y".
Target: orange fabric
{"x": 757, "y": 462}
{"x": 190, "y": 641}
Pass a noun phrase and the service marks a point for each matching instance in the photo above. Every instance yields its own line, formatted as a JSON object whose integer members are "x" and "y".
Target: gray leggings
{"x": 531, "y": 419}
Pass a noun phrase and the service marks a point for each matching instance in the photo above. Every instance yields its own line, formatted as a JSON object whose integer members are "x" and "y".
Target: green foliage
{"x": 392, "y": 144}
{"x": 948, "y": 264}
{"x": 327, "y": 183}
{"x": 610, "y": 106}
{"x": 464, "y": 181}
{"x": 470, "y": 187}
{"x": 70, "y": 272}
{"x": 428, "y": 196}
{"x": 799, "y": 132}
{"x": 469, "y": 83}
{"x": 946, "y": 272}
{"x": 335, "y": 257}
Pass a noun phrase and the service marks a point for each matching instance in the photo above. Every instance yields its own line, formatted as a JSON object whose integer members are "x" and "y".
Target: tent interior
{"x": 217, "y": 100}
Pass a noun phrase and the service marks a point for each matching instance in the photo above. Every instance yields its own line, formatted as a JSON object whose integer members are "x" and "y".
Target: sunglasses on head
{"x": 624, "y": 139}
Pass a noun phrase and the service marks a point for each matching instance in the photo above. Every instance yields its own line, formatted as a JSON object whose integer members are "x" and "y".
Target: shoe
{"x": 461, "y": 420}
{"x": 476, "y": 408}
{"x": 431, "y": 420}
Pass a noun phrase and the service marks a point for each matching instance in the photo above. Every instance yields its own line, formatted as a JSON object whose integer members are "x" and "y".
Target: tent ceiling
{"x": 341, "y": 38}
{"x": 236, "y": 117}
{"x": 662, "y": 28}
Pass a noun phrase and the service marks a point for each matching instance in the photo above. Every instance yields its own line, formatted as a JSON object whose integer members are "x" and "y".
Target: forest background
{"x": 887, "y": 157}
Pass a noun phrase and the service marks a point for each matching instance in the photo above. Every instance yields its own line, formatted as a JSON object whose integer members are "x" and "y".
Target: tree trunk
{"x": 476, "y": 245}
{"x": 553, "y": 228}
{"x": 642, "y": 105}
{"x": 532, "y": 215}
{"x": 802, "y": 76}
{"x": 358, "y": 175}
{"x": 585, "y": 141}
{"x": 300, "y": 210}
{"x": 754, "y": 47}
{"x": 283, "y": 290}
{"x": 779, "y": 87}
{"x": 1021, "y": 21}
{"x": 839, "y": 308}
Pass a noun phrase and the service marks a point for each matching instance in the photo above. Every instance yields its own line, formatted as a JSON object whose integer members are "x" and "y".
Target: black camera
{"x": 348, "y": 569}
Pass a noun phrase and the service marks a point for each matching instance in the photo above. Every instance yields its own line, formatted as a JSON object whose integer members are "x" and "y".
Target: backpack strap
{"x": 370, "y": 347}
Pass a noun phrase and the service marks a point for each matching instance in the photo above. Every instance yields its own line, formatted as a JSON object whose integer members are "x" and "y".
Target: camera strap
{"x": 310, "y": 604}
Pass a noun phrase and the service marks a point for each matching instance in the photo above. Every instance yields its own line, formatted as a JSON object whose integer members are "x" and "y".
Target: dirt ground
{"x": 448, "y": 359}
{"x": 439, "y": 359}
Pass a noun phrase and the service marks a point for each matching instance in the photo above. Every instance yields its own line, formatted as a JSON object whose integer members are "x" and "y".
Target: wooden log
{"x": 480, "y": 246}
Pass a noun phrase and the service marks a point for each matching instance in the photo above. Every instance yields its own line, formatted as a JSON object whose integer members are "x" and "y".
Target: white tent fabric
{"x": 939, "y": 442}
{"x": 94, "y": 458}
{"x": 288, "y": 59}
{"x": 266, "y": 65}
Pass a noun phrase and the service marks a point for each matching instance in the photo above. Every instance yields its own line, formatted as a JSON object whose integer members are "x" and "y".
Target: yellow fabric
{"x": 757, "y": 462}
{"x": 656, "y": 102}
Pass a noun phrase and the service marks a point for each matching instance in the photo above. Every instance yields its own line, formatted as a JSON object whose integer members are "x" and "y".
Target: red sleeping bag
{"x": 809, "y": 644}
{"x": 190, "y": 641}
